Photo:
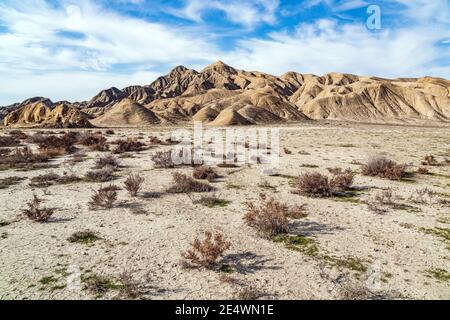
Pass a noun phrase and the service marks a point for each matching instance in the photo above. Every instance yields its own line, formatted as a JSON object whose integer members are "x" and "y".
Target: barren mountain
{"x": 127, "y": 113}
{"x": 44, "y": 114}
{"x": 222, "y": 95}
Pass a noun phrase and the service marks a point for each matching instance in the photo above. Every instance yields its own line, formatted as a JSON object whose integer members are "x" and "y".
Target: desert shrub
{"x": 10, "y": 181}
{"x": 385, "y": 197}
{"x": 133, "y": 184}
{"x": 342, "y": 179}
{"x": 430, "y": 160}
{"x": 163, "y": 159}
{"x": 186, "y": 184}
{"x": 49, "y": 179}
{"x": 205, "y": 173}
{"x": 98, "y": 285}
{"x": 21, "y": 156}
{"x": 107, "y": 161}
{"x": 102, "y": 175}
{"x": 95, "y": 142}
{"x": 104, "y": 198}
{"x": 129, "y": 145}
{"x": 110, "y": 132}
{"x": 423, "y": 170}
{"x": 155, "y": 140}
{"x": 287, "y": 151}
{"x": 128, "y": 288}
{"x": 37, "y": 214}
{"x": 384, "y": 168}
{"x": 64, "y": 144}
{"x": 44, "y": 180}
{"x": 7, "y": 141}
{"x": 314, "y": 185}
{"x": 269, "y": 219}
{"x": 206, "y": 252}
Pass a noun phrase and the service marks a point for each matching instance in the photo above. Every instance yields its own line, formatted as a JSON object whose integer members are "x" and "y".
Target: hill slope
{"x": 222, "y": 95}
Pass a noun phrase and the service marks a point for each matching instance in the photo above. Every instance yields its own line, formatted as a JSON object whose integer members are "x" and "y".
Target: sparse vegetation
{"x": 383, "y": 167}
{"x": 95, "y": 142}
{"x": 271, "y": 217}
{"x": 186, "y": 184}
{"x": 98, "y": 285}
{"x": 8, "y": 141}
{"x": 107, "y": 161}
{"x": 10, "y": 181}
{"x": 133, "y": 184}
{"x": 205, "y": 173}
{"x": 22, "y": 157}
{"x": 314, "y": 185}
{"x": 84, "y": 237}
{"x": 129, "y": 288}
{"x": 104, "y": 198}
{"x": 37, "y": 214}
{"x": 439, "y": 274}
{"x": 102, "y": 175}
{"x": 430, "y": 160}
{"x": 211, "y": 201}
{"x": 206, "y": 252}
{"x": 163, "y": 159}
{"x": 128, "y": 145}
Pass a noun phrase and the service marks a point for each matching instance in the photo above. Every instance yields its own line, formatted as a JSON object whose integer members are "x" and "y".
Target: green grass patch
{"x": 225, "y": 268}
{"x": 48, "y": 280}
{"x": 84, "y": 237}
{"x": 439, "y": 274}
{"x": 298, "y": 243}
{"x": 443, "y": 233}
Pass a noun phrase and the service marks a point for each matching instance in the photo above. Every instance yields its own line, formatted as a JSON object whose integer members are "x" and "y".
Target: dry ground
{"x": 348, "y": 251}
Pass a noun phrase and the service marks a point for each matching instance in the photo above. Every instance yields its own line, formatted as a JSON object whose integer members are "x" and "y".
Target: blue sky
{"x": 66, "y": 49}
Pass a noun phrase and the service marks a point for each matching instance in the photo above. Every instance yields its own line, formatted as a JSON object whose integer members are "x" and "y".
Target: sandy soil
{"x": 393, "y": 254}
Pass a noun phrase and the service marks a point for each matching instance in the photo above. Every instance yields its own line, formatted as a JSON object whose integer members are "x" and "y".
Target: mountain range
{"x": 221, "y": 95}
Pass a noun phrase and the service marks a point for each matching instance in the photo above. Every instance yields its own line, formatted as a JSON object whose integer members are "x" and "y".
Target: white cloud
{"x": 247, "y": 13}
{"x": 326, "y": 46}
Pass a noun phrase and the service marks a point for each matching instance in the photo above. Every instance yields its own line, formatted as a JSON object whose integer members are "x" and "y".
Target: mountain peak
{"x": 219, "y": 67}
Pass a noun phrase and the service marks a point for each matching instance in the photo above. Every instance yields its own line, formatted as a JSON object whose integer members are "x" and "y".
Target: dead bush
{"x": 129, "y": 145}
{"x": 22, "y": 156}
{"x": 62, "y": 145}
{"x": 185, "y": 184}
{"x": 104, "y": 198}
{"x": 269, "y": 218}
{"x": 9, "y": 141}
{"x": 133, "y": 184}
{"x": 423, "y": 171}
{"x": 163, "y": 159}
{"x": 102, "y": 175}
{"x": 430, "y": 160}
{"x": 384, "y": 168}
{"x": 342, "y": 179}
{"x": 314, "y": 185}
{"x": 129, "y": 288}
{"x": 95, "y": 142}
{"x": 49, "y": 179}
{"x": 205, "y": 173}
{"x": 107, "y": 161}
{"x": 385, "y": 197}
{"x": 37, "y": 214}
{"x": 206, "y": 252}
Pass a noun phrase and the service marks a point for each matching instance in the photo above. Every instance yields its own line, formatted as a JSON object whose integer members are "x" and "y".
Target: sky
{"x": 70, "y": 50}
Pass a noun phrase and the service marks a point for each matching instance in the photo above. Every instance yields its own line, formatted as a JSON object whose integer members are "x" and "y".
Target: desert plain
{"x": 351, "y": 246}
